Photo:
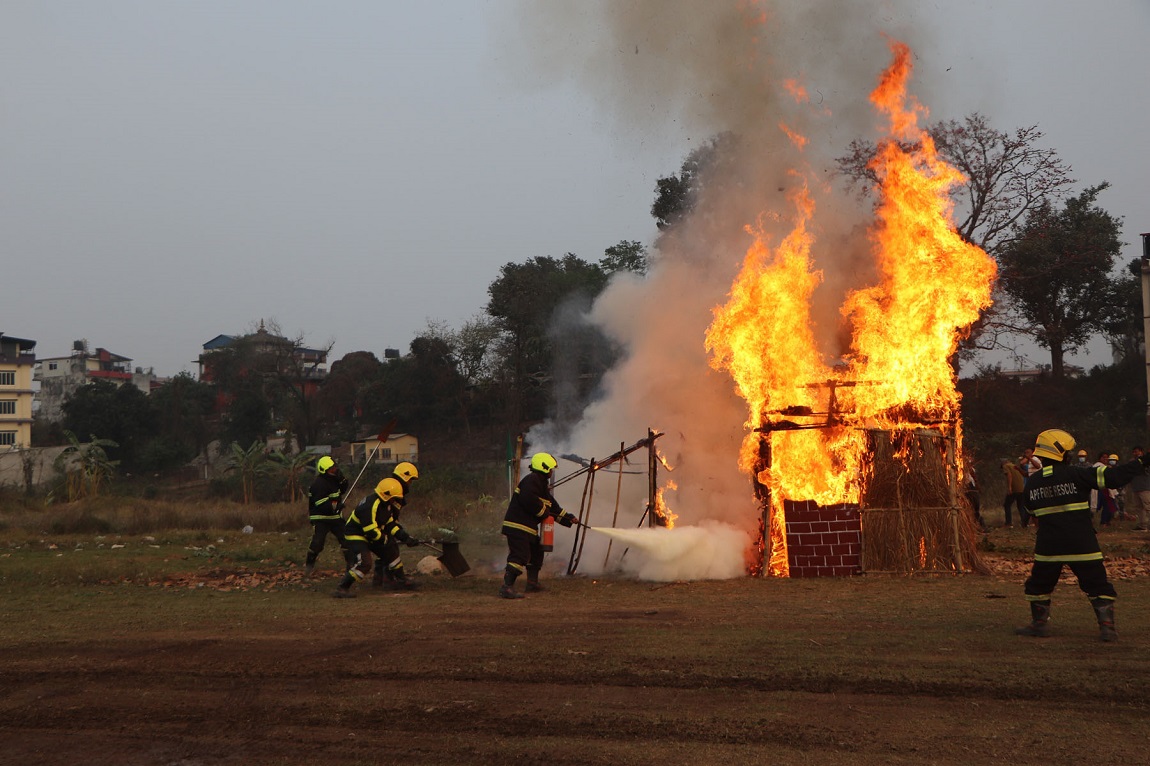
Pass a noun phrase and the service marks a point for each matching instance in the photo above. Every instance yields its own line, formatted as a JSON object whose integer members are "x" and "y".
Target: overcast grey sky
{"x": 172, "y": 171}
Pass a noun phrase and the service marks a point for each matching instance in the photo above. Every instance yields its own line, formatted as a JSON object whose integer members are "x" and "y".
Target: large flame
{"x": 904, "y": 329}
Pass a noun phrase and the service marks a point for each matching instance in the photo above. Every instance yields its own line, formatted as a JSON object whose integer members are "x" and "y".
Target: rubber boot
{"x": 1039, "y": 626}
{"x": 344, "y": 588}
{"x": 533, "y": 585}
{"x": 377, "y": 578}
{"x": 1104, "y": 610}
{"x": 397, "y": 580}
{"x": 309, "y": 569}
{"x": 507, "y": 590}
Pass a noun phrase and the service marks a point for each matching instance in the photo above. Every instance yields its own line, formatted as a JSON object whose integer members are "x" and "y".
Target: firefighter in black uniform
{"x": 325, "y": 506}
{"x": 1058, "y": 496}
{"x": 405, "y": 473}
{"x": 531, "y": 503}
{"x": 372, "y": 529}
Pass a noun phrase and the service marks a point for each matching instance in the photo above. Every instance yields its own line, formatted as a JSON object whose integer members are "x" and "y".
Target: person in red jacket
{"x": 530, "y": 504}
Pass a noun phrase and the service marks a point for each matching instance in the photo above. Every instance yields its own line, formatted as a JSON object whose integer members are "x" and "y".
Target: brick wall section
{"x": 823, "y": 541}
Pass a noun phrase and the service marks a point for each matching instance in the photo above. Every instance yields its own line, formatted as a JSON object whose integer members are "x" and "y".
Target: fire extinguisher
{"x": 547, "y": 534}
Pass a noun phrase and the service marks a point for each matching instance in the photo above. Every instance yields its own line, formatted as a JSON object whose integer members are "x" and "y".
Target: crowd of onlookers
{"x": 1132, "y": 502}
{"x": 1108, "y": 505}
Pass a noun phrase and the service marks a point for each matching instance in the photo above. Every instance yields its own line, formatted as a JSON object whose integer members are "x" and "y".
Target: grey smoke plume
{"x": 710, "y": 67}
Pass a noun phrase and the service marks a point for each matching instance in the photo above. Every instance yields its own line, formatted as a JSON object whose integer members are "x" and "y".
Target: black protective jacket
{"x": 324, "y": 496}
{"x": 1059, "y": 498}
{"x": 531, "y": 503}
{"x": 375, "y": 519}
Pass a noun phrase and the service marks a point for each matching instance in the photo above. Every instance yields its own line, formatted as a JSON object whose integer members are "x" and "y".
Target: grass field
{"x": 207, "y": 646}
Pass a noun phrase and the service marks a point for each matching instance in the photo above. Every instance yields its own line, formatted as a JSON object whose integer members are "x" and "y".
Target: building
{"x": 396, "y": 449}
{"x": 16, "y": 362}
{"x": 263, "y": 352}
{"x": 61, "y": 376}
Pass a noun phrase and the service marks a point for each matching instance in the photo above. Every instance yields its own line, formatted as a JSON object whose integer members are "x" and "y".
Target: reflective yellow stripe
{"x": 1047, "y": 470}
{"x": 318, "y": 517}
{"x": 513, "y": 565}
{"x": 513, "y": 525}
{"x": 543, "y": 510}
{"x": 1068, "y": 558}
{"x": 355, "y": 537}
{"x": 1043, "y": 597}
{"x": 1101, "y": 471}
{"x": 1084, "y": 506}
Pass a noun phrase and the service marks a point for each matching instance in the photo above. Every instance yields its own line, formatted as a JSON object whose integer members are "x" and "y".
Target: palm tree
{"x": 292, "y": 466}
{"x": 249, "y": 462}
{"x": 86, "y": 467}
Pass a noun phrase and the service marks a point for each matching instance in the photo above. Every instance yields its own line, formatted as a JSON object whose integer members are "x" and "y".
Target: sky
{"x": 350, "y": 171}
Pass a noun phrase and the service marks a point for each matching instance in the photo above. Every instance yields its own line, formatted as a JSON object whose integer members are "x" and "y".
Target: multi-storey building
{"x": 16, "y": 362}
{"x": 61, "y": 376}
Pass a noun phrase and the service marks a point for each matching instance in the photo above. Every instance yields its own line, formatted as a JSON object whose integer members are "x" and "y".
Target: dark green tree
{"x": 676, "y": 196}
{"x": 1058, "y": 274}
{"x": 121, "y": 414}
{"x": 185, "y": 409}
{"x": 523, "y": 301}
{"x": 628, "y": 255}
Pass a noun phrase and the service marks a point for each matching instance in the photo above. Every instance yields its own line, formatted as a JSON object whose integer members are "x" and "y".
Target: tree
{"x": 628, "y": 255}
{"x": 281, "y": 371}
{"x": 184, "y": 409}
{"x": 86, "y": 467}
{"x": 523, "y": 301}
{"x": 677, "y": 195}
{"x": 124, "y": 415}
{"x": 1057, "y": 273}
{"x": 1007, "y": 176}
{"x": 250, "y": 462}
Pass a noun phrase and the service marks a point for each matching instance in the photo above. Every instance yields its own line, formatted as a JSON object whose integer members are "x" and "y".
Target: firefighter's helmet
{"x": 1053, "y": 444}
{"x": 543, "y": 463}
{"x": 406, "y": 471}
{"x": 324, "y": 464}
{"x": 389, "y": 489}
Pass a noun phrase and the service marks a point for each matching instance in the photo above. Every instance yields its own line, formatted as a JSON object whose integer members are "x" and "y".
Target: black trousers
{"x": 319, "y": 532}
{"x": 524, "y": 553}
{"x": 1091, "y": 579}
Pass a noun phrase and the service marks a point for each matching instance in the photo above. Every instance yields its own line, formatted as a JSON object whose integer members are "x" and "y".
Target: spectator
{"x": 1014, "y": 483}
{"x": 1140, "y": 494}
{"x": 972, "y": 491}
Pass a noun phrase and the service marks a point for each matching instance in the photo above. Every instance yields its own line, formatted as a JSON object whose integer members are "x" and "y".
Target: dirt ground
{"x": 856, "y": 671}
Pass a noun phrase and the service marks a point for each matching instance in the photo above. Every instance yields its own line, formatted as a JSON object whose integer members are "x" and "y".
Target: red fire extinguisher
{"x": 547, "y": 534}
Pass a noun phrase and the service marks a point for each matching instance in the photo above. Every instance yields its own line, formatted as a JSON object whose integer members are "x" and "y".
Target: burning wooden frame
{"x": 912, "y": 517}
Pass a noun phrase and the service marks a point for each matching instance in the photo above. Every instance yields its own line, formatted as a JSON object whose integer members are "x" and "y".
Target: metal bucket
{"x": 451, "y": 558}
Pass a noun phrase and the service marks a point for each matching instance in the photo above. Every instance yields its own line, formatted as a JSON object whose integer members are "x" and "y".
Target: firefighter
{"x": 372, "y": 529}
{"x": 530, "y": 504}
{"x": 325, "y": 506}
{"x": 1058, "y": 495}
{"x": 405, "y": 473}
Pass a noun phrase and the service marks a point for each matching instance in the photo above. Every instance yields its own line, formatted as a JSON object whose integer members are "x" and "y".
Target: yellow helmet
{"x": 406, "y": 471}
{"x": 1053, "y": 444}
{"x": 324, "y": 464}
{"x": 389, "y": 489}
{"x": 543, "y": 463}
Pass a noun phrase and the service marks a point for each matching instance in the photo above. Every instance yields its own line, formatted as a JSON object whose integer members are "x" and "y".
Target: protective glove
{"x": 412, "y": 542}
{"x": 567, "y": 519}
{"x": 339, "y": 505}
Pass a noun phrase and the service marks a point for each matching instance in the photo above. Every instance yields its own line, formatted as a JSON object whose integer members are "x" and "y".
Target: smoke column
{"x": 712, "y": 68}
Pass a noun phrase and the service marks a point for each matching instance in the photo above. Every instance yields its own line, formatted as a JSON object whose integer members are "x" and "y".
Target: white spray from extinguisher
{"x": 710, "y": 551}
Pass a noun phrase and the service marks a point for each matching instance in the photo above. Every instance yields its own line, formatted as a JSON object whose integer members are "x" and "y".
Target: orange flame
{"x": 905, "y": 328}
{"x": 666, "y": 516}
